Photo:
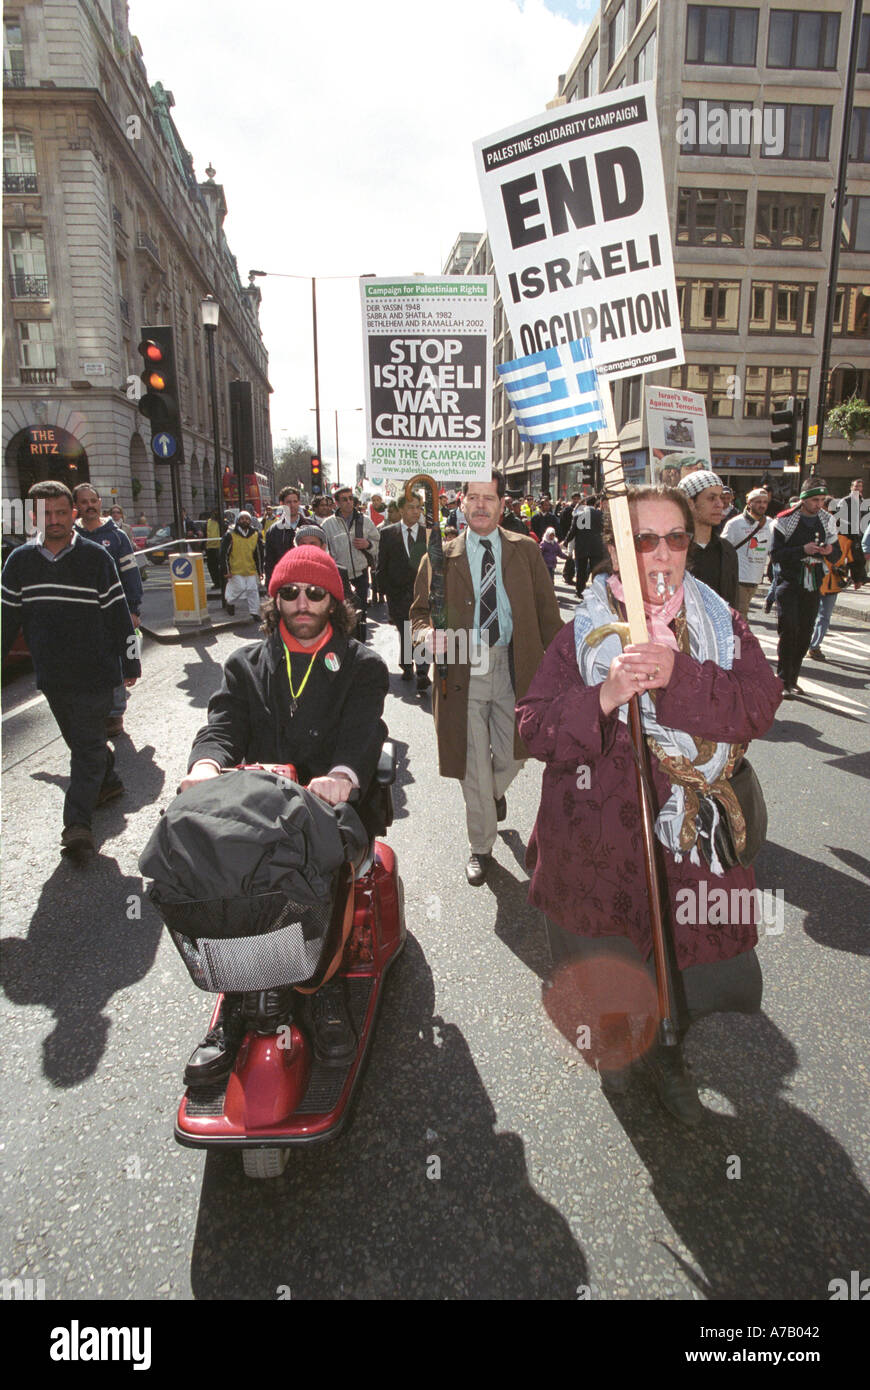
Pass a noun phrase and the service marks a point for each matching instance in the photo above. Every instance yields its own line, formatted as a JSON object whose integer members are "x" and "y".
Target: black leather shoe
{"x": 332, "y": 1032}
{"x": 407, "y": 673}
{"x": 674, "y": 1086}
{"x": 213, "y": 1060}
{"x": 477, "y": 869}
{"x": 501, "y": 808}
{"x": 423, "y": 682}
{"x": 109, "y": 791}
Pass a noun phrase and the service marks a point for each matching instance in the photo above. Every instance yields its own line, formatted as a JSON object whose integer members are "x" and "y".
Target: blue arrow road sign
{"x": 181, "y": 567}
{"x": 164, "y": 445}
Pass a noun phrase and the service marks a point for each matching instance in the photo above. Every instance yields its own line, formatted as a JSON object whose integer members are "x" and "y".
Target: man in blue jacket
{"x": 64, "y": 591}
{"x": 103, "y": 530}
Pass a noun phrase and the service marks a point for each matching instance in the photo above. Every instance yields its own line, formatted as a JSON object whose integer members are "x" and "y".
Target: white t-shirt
{"x": 753, "y": 556}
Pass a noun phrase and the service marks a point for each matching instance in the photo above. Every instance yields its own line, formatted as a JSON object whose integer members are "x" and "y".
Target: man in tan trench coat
{"x": 502, "y": 615}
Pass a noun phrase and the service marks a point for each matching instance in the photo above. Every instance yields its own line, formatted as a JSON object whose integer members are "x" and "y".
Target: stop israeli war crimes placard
{"x": 428, "y": 363}
{"x": 578, "y": 225}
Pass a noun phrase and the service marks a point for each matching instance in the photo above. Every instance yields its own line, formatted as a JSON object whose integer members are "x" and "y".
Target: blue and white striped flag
{"x": 554, "y": 393}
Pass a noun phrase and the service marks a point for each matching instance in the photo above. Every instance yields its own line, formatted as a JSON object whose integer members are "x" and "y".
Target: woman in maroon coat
{"x": 714, "y": 691}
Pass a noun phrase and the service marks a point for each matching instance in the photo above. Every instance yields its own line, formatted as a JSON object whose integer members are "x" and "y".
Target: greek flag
{"x": 554, "y": 393}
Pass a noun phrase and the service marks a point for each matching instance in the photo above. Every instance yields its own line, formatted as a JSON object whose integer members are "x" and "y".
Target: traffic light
{"x": 784, "y": 431}
{"x": 159, "y": 399}
{"x": 587, "y": 473}
{"x": 316, "y": 478}
{"x": 545, "y": 472}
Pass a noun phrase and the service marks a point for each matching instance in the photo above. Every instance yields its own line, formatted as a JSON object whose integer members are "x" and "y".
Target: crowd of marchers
{"x": 523, "y": 684}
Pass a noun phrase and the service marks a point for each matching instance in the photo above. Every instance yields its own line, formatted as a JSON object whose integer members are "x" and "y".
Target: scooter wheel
{"x": 264, "y": 1163}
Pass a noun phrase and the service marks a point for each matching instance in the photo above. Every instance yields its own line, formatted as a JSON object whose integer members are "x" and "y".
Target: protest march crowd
{"x": 521, "y": 685}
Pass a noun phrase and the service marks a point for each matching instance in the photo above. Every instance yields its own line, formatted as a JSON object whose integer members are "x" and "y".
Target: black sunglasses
{"x": 647, "y": 541}
{"x": 312, "y": 591}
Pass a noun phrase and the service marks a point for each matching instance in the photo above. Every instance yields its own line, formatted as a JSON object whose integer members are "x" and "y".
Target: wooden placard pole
{"x": 620, "y": 518}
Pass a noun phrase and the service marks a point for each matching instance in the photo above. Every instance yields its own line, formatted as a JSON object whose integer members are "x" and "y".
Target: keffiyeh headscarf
{"x": 698, "y": 768}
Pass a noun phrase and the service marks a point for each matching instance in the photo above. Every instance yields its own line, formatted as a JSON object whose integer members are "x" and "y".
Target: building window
{"x": 616, "y": 36}
{"x": 708, "y": 305}
{"x": 768, "y": 388}
{"x": 800, "y": 132}
{"x": 855, "y": 226}
{"x": 803, "y": 39}
{"x": 36, "y": 344}
{"x": 846, "y": 383}
{"x": 716, "y": 384}
{"x": 782, "y": 308}
{"x": 13, "y": 55}
{"x": 721, "y": 127}
{"x": 711, "y": 216}
{"x": 590, "y": 76}
{"x": 645, "y": 62}
{"x": 631, "y": 397}
{"x": 19, "y": 163}
{"x": 859, "y": 135}
{"x": 27, "y": 256}
{"x": 864, "y": 45}
{"x": 852, "y": 312}
{"x": 790, "y": 221}
{"x": 721, "y": 34}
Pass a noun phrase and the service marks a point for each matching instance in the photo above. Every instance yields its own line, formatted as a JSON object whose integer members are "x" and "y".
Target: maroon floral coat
{"x": 586, "y": 853}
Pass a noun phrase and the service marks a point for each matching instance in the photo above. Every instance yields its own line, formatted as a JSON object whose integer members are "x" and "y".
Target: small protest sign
{"x": 428, "y": 361}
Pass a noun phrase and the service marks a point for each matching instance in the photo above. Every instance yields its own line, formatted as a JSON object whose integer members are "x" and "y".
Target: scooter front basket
{"x": 256, "y": 943}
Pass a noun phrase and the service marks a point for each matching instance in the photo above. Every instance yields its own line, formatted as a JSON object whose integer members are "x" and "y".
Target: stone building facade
{"x": 751, "y": 222}
{"x": 106, "y": 230}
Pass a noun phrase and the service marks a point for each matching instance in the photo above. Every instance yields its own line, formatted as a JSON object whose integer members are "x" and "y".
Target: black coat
{"x": 338, "y": 721}
{"x": 395, "y": 575}
{"x": 717, "y": 565}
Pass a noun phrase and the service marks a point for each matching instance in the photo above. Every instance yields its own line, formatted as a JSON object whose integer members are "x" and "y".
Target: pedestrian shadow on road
{"x": 143, "y": 782}
{"x": 765, "y": 1202}
{"x": 202, "y": 674}
{"x": 836, "y": 905}
{"x": 366, "y": 1216}
{"x": 82, "y": 947}
{"x": 404, "y": 776}
{"x": 517, "y": 923}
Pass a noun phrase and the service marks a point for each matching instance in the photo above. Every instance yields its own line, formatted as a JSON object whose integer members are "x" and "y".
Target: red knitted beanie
{"x": 306, "y": 564}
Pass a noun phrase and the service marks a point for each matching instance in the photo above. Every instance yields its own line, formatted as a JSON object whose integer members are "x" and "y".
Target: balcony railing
{"x": 29, "y": 286}
{"x": 14, "y": 77}
{"x": 125, "y": 309}
{"x": 38, "y": 376}
{"x": 116, "y": 215}
{"x": 144, "y": 243}
{"x": 20, "y": 183}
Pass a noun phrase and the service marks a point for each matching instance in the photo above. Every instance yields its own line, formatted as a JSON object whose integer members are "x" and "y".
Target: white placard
{"x": 427, "y": 348}
{"x": 578, "y": 225}
{"x": 679, "y": 438}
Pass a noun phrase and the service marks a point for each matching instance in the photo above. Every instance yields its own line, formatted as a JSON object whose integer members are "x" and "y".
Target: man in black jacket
{"x": 64, "y": 591}
{"x": 402, "y": 547}
{"x": 310, "y": 695}
{"x": 801, "y": 537}
{"x": 712, "y": 560}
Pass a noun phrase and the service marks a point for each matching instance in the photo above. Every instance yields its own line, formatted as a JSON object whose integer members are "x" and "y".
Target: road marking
{"x": 28, "y": 704}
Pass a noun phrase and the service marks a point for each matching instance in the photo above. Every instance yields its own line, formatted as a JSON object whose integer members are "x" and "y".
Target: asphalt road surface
{"x": 546, "y": 1190}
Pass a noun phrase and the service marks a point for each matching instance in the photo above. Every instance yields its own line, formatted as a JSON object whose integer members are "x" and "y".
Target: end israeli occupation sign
{"x": 578, "y": 225}
{"x": 428, "y": 360}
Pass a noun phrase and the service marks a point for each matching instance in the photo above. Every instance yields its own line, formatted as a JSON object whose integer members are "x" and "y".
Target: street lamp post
{"x": 210, "y": 311}
{"x": 356, "y": 409}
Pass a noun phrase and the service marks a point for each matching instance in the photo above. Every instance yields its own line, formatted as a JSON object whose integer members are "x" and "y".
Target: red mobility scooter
{"x": 279, "y": 1094}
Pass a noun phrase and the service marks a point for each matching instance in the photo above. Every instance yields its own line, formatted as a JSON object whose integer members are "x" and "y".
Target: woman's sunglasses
{"x": 646, "y": 541}
{"x": 312, "y": 592}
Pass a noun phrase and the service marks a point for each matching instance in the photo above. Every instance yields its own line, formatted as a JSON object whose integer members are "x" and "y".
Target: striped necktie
{"x": 489, "y": 629}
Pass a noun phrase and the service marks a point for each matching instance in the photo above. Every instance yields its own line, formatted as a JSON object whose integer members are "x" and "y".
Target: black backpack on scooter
{"x": 251, "y": 876}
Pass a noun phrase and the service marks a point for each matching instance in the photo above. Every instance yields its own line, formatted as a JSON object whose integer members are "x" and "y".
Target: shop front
{"x": 39, "y": 452}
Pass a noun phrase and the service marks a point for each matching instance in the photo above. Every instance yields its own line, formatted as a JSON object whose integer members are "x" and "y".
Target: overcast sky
{"x": 342, "y": 134}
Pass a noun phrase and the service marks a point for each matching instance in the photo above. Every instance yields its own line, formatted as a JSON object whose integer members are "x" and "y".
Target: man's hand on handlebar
{"x": 200, "y": 772}
{"x": 332, "y": 790}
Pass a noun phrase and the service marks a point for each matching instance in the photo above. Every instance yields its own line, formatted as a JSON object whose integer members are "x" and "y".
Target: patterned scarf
{"x": 698, "y": 769}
